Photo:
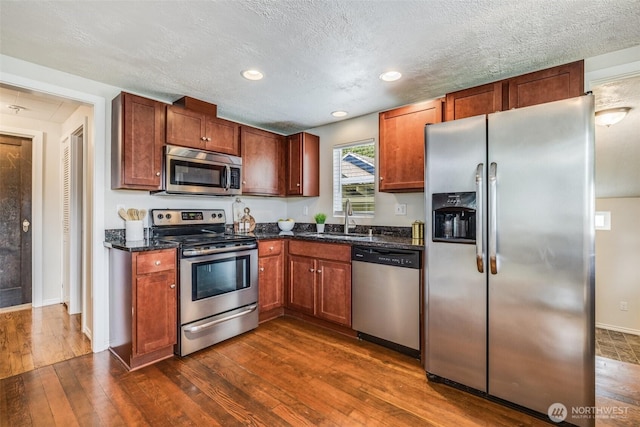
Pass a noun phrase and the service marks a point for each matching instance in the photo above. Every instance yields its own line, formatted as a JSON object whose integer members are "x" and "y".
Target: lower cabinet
{"x": 319, "y": 281}
{"x": 271, "y": 255}
{"x": 142, "y": 306}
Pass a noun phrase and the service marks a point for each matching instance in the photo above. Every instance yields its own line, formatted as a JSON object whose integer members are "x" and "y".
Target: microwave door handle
{"x": 228, "y": 183}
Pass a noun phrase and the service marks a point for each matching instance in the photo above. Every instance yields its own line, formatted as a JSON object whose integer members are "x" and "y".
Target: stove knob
{"x": 160, "y": 216}
{"x": 168, "y": 216}
{"x": 219, "y": 215}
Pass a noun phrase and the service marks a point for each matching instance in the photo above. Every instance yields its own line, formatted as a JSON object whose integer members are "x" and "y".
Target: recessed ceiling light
{"x": 390, "y": 76}
{"x": 252, "y": 75}
{"x": 339, "y": 113}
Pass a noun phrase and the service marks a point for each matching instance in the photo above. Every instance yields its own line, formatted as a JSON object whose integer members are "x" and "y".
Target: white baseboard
{"x": 87, "y": 332}
{"x": 618, "y": 328}
{"x": 51, "y": 301}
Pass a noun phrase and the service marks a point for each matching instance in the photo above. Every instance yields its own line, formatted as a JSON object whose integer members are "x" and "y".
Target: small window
{"x": 354, "y": 174}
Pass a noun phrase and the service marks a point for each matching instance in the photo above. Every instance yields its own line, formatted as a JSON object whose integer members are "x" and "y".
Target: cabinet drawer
{"x": 336, "y": 252}
{"x": 150, "y": 262}
{"x": 270, "y": 247}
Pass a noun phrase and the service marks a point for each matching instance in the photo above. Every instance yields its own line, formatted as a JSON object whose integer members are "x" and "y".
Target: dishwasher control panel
{"x": 394, "y": 257}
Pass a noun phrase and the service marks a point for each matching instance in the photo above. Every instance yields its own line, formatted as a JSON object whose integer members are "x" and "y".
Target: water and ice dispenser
{"x": 454, "y": 217}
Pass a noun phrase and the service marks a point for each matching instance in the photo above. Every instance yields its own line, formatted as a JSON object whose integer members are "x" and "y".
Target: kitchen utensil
{"x": 123, "y": 214}
{"x": 142, "y": 214}
{"x": 133, "y": 214}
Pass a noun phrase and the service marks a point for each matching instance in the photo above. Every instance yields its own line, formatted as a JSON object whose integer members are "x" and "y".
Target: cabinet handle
{"x": 244, "y": 182}
{"x": 203, "y": 138}
{"x": 311, "y": 270}
{"x": 271, "y": 248}
{"x": 319, "y": 271}
{"x": 298, "y": 185}
{"x": 173, "y": 286}
{"x": 381, "y": 178}
{"x": 261, "y": 268}
{"x": 208, "y": 139}
{"x": 157, "y": 173}
{"x": 157, "y": 262}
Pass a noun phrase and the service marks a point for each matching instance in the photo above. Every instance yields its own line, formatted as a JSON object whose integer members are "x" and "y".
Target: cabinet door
{"x": 271, "y": 274}
{"x": 185, "y": 127}
{"x": 138, "y": 127}
{"x": 302, "y": 276}
{"x": 402, "y": 145}
{"x": 222, "y": 136}
{"x": 155, "y": 312}
{"x": 262, "y": 161}
{"x": 303, "y": 165}
{"x": 552, "y": 84}
{"x": 475, "y": 101}
{"x": 334, "y": 291}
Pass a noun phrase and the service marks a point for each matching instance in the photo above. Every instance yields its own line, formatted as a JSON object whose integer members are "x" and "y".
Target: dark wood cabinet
{"x": 401, "y": 145}
{"x": 271, "y": 256}
{"x": 137, "y": 140}
{"x": 474, "y": 101}
{"x": 191, "y": 128}
{"x": 142, "y": 306}
{"x": 551, "y": 84}
{"x": 319, "y": 280}
{"x": 262, "y": 162}
{"x": 303, "y": 165}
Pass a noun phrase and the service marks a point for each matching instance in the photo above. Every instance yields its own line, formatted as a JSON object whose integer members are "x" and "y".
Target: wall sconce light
{"x": 611, "y": 116}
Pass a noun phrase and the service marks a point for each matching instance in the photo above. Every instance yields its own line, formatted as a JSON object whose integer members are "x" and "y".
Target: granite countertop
{"x": 384, "y": 239}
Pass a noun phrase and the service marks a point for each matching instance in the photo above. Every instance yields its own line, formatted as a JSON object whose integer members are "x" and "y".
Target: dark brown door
{"x": 15, "y": 226}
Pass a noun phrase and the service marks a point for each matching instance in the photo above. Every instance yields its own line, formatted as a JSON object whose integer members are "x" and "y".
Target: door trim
{"x": 36, "y": 205}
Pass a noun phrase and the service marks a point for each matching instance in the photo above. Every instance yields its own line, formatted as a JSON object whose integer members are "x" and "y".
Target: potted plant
{"x": 320, "y": 218}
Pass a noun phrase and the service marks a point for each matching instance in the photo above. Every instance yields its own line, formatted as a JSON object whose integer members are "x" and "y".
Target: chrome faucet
{"x": 347, "y": 213}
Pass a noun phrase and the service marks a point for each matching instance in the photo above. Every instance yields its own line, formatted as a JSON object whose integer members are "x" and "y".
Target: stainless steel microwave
{"x": 190, "y": 171}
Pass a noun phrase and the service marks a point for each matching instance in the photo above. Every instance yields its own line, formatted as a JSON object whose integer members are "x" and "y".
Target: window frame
{"x": 337, "y": 155}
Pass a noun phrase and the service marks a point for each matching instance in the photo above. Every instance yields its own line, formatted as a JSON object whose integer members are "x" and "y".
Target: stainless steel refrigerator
{"x": 509, "y": 269}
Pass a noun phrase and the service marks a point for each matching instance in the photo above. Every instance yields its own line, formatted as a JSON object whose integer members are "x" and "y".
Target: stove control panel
{"x": 171, "y": 217}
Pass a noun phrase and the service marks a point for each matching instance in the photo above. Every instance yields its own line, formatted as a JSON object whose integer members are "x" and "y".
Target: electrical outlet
{"x": 624, "y": 306}
{"x": 401, "y": 208}
{"x": 305, "y": 210}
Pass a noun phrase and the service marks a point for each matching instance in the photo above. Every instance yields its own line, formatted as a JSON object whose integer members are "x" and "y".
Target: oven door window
{"x": 212, "y": 278}
{"x": 197, "y": 174}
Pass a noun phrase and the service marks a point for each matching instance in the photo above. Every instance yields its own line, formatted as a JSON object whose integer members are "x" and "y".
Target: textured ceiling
{"x": 322, "y": 56}
{"x": 317, "y": 56}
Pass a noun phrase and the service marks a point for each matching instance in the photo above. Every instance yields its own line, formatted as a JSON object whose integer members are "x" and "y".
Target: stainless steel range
{"x": 218, "y": 276}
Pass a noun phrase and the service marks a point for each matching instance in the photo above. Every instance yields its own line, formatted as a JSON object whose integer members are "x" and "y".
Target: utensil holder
{"x": 134, "y": 231}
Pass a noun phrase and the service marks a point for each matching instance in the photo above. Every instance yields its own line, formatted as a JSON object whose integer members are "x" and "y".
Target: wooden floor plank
{"x": 285, "y": 373}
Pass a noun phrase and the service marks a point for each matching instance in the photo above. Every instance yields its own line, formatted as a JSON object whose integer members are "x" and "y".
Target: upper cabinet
{"x": 552, "y": 84}
{"x": 401, "y": 145}
{"x": 195, "y": 129}
{"x": 303, "y": 165}
{"x": 137, "y": 136}
{"x": 262, "y": 162}
{"x": 474, "y": 101}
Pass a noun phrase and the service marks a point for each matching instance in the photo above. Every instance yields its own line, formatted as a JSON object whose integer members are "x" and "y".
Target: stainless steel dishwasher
{"x": 386, "y": 297}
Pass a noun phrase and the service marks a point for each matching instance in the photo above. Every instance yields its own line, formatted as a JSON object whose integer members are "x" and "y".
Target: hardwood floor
{"x": 287, "y": 372}
{"x": 34, "y": 337}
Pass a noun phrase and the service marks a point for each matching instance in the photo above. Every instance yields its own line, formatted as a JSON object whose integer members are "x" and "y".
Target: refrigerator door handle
{"x": 493, "y": 222}
{"x": 479, "y": 221}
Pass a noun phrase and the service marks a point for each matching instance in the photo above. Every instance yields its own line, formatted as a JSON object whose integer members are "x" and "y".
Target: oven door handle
{"x": 195, "y": 329}
{"x": 197, "y": 252}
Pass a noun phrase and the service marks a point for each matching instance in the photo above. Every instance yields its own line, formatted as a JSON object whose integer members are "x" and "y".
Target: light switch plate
{"x": 401, "y": 208}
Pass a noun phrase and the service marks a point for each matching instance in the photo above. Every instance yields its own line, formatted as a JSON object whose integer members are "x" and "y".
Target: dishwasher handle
{"x": 394, "y": 257}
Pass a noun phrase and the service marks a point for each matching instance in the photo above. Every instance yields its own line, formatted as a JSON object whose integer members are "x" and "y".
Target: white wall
{"x": 356, "y": 129}
{"x": 617, "y": 256}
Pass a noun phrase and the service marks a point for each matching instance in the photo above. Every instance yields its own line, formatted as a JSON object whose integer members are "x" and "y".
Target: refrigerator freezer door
{"x": 455, "y": 297}
{"x": 541, "y": 297}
